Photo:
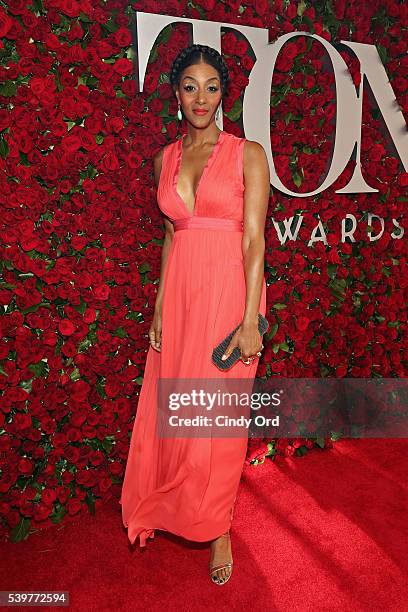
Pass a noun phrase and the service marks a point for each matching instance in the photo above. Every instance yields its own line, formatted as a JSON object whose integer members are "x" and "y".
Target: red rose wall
{"x": 81, "y": 230}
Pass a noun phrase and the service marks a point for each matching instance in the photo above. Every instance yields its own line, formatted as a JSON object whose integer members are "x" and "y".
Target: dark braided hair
{"x": 194, "y": 54}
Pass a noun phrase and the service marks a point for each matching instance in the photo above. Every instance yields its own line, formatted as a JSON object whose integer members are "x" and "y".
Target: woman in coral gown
{"x": 212, "y": 279}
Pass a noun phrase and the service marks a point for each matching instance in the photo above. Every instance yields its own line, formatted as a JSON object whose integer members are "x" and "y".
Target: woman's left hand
{"x": 249, "y": 341}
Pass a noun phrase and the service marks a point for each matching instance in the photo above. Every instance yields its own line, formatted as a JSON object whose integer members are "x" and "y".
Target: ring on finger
{"x": 248, "y": 360}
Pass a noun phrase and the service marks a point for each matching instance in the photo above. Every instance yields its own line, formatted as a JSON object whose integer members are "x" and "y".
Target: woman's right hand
{"x": 155, "y": 331}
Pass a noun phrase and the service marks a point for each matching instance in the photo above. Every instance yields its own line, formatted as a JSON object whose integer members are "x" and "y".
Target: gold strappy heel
{"x": 215, "y": 568}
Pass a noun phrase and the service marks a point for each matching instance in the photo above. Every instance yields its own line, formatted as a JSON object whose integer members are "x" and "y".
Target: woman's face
{"x": 199, "y": 89}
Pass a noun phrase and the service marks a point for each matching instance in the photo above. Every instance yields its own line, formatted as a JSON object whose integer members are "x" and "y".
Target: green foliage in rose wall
{"x": 81, "y": 232}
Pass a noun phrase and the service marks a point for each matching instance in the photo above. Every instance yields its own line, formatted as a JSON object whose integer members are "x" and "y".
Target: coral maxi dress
{"x": 188, "y": 486}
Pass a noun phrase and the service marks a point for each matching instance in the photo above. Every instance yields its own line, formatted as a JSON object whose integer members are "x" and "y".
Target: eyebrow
{"x": 187, "y": 76}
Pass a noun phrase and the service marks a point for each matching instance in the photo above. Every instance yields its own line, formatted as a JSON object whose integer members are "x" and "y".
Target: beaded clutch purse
{"x": 236, "y": 353}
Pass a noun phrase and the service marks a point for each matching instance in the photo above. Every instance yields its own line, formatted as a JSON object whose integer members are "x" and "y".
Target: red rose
{"x": 48, "y": 496}
{"x": 341, "y": 371}
{"x": 376, "y": 152}
{"x": 73, "y": 506}
{"x": 89, "y": 315}
{"x": 72, "y": 8}
{"x": 80, "y": 390}
{"x": 116, "y": 468}
{"x": 71, "y": 143}
{"x": 41, "y": 512}
{"x": 22, "y": 421}
{"x": 6, "y": 23}
{"x": 102, "y": 292}
{"x": 302, "y": 322}
{"x": 123, "y": 37}
{"x": 123, "y": 66}
{"x": 88, "y": 432}
{"x": 333, "y": 256}
{"x": 63, "y": 494}
{"x": 25, "y": 466}
{"x": 291, "y": 11}
{"x": 261, "y": 7}
{"x": 66, "y": 327}
{"x": 71, "y": 454}
{"x": 105, "y": 484}
{"x": 403, "y": 179}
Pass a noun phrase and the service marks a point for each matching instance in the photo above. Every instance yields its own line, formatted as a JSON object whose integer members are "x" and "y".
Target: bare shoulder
{"x": 254, "y": 157}
{"x": 253, "y": 151}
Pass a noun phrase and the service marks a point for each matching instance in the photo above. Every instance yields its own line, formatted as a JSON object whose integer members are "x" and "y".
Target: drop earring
{"x": 217, "y": 114}
{"x": 179, "y": 115}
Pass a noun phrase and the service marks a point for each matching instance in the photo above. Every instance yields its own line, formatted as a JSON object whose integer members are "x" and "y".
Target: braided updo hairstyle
{"x": 194, "y": 54}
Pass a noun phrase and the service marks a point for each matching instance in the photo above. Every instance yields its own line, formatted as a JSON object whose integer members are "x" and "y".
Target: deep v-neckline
{"x": 209, "y": 161}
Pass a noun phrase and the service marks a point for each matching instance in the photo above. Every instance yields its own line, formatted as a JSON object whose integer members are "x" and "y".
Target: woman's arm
{"x": 256, "y": 199}
{"x": 168, "y": 237}
{"x": 156, "y": 326}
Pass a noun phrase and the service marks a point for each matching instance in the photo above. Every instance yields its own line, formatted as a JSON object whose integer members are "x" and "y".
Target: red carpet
{"x": 324, "y": 532}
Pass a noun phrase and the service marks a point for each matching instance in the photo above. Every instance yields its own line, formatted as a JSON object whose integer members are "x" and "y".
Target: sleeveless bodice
{"x": 220, "y": 189}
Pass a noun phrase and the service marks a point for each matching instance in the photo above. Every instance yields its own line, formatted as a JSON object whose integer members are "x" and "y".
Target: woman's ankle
{"x": 223, "y": 535}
